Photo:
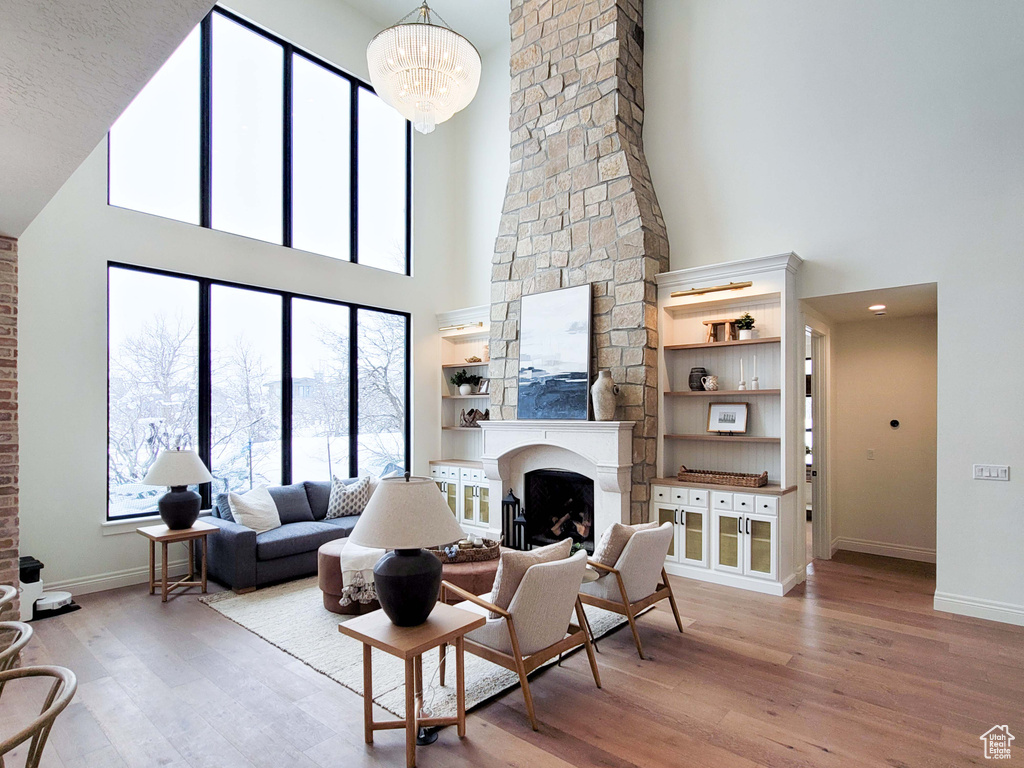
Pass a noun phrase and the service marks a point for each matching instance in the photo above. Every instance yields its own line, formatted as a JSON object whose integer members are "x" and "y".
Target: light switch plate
{"x": 991, "y": 472}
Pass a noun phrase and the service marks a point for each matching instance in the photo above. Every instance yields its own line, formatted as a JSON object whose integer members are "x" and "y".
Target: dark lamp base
{"x": 408, "y": 582}
{"x": 179, "y": 508}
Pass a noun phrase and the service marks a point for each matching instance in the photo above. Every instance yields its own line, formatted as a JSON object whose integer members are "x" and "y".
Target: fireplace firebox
{"x": 558, "y": 504}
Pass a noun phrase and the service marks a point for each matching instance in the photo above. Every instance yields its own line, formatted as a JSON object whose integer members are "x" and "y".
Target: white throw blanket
{"x": 357, "y": 573}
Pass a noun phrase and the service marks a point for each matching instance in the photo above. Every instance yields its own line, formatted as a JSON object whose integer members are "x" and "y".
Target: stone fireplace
{"x": 580, "y": 207}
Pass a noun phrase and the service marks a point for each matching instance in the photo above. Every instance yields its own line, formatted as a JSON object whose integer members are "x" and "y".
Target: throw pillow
{"x": 614, "y": 540}
{"x": 348, "y": 499}
{"x": 255, "y": 509}
{"x": 512, "y": 568}
{"x": 292, "y": 504}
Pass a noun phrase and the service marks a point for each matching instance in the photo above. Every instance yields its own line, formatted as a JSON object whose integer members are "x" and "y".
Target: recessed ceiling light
{"x": 876, "y": 307}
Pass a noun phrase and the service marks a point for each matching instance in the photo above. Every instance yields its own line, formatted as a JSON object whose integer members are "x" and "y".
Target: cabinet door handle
{"x": 748, "y": 526}
{"x": 739, "y": 526}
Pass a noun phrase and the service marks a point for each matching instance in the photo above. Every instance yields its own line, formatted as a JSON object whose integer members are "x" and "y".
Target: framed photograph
{"x": 484, "y": 388}
{"x": 554, "y": 354}
{"x": 727, "y": 417}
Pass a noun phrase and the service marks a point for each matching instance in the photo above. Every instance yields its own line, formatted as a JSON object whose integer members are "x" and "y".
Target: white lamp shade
{"x": 406, "y": 515}
{"x": 425, "y": 71}
{"x": 173, "y": 468}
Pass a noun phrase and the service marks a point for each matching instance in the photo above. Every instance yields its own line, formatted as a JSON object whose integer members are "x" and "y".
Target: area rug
{"x": 292, "y": 617}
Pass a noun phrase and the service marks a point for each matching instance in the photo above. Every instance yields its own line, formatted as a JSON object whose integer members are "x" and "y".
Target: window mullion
{"x": 286, "y": 389}
{"x": 205, "y": 393}
{"x": 286, "y": 158}
{"x": 353, "y": 393}
{"x": 206, "y": 122}
{"x": 353, "y": 174}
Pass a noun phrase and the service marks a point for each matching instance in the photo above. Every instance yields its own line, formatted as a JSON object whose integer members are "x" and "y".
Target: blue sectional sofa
{"x": 242, "y": 559}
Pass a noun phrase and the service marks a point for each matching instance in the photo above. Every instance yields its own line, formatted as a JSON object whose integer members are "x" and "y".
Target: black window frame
{"x": 206, "y": 140}
{"x": 205, "y": 370}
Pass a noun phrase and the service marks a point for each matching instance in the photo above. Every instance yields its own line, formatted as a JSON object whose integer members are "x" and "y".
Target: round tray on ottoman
{"x": 489, "y": 551}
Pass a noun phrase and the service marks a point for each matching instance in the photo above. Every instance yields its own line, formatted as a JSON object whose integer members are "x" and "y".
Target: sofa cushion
{"x": 513, "y": 565}
{"x": 292, "y": 503}
{"x": 319, "y": 494}
{"x": 344, "y": 523}
{"x": 614, "y": 540}
{"x": 295, "y": 539}
{"x": 222, "y": 509}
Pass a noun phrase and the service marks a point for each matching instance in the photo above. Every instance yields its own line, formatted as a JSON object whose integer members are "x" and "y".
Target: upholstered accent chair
{"x": 637, "y": 581}
{"x": 537, "y": 625}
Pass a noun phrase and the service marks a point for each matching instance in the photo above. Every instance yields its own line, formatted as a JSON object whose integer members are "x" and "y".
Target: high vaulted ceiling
{"x": 68, "y": 68}
{"x": 483, "y": 22}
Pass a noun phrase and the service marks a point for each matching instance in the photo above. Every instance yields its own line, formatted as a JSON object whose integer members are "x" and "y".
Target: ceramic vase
{"x": 465, "y": 389}
{"x": 603, "y": 394}
{"x": 709, "y": 383}
{"x": 696, "y": 376}
{"x": 746, "y": 334}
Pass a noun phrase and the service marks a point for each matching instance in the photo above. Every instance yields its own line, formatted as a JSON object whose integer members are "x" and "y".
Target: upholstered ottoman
{"x": 332, "y": 583}
{"x": 477, "y": 578}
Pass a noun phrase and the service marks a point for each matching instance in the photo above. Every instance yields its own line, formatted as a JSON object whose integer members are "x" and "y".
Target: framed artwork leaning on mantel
{"x": 554, "y": 354}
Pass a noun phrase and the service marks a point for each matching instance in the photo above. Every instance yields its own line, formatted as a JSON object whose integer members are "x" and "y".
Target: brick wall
{"x": 9, "y": 413}
{"x": 580, "y": 206}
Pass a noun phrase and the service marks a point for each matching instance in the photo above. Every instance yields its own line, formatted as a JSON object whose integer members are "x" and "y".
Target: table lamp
{"x": 404, "y": 514}
{"x": 179, "y": 508}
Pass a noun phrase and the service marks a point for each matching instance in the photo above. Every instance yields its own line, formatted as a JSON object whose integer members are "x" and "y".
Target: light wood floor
{"x": 854, "y": 669}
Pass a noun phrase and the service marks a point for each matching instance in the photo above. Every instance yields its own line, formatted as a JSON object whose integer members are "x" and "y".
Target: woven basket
{"x": 489, "y": 551}
{"x": 723, "y": 478}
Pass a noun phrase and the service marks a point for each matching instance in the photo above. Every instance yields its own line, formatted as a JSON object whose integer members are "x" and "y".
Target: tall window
{"x": 243, "y": 132}
{"x": 268, "y": 386}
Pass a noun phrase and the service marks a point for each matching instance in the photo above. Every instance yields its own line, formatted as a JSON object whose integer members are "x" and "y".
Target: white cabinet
{"x": 467, "y": 492}
{"x": 728, "y": 537}
{"x": 745, "y": 544}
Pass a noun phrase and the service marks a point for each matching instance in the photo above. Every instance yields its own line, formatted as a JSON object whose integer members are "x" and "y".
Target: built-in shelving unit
{"x": 462, "y": 334}
{"x": 750, "y": 538}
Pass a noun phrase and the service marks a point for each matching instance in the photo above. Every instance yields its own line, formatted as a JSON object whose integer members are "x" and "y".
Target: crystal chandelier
{"x": 426, "y": 71}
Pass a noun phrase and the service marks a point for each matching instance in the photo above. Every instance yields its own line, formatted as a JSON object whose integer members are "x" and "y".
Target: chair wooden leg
{"x": 441, "y": 664}
{"x": 629, "y": 616}
{"x": 581, "y": 616}
{"x": 672, "y": 600}
{"x": 524, "y": 683}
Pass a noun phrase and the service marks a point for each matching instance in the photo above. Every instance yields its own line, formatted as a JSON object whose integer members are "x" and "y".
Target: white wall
{"x": 64, "y": 254}
{"x": 881, "y": 142}
{"x": 483, "y": 139}
{"x": 884, "y": 369}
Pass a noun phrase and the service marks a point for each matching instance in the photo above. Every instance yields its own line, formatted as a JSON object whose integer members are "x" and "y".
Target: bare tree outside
{"x": 381, "y": 368}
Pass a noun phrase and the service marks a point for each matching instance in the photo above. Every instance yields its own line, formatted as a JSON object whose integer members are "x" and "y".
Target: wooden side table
{"x": 444, "y": 625}
{"x": 164, "y": 535}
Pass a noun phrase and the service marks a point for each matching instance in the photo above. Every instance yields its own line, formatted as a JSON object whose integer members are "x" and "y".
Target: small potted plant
{"x": 465, "y": 381}
{"x": 745, "y": 325}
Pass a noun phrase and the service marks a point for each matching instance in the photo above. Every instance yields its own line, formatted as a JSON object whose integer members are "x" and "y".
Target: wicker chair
{"x": 633, "y": 584}
{"x": 534, "y": 628}
{"x": 14, "y": 635}
{"x": 61, "y": 692}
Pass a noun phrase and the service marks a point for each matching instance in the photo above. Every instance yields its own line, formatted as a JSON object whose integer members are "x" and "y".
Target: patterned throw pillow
{"x": 348, "y": 499}
{"x": 614, "y": 540}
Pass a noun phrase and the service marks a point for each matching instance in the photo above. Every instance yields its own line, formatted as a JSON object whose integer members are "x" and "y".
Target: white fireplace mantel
{"x": 600, "y": 450}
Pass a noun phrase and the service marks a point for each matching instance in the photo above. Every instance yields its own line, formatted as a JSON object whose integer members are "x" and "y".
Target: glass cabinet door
{"x": 693, "y": 537}
{"x": 483, "y": 493}
{"x": 452, "y": 492}
{"x": 468, "y": 497}
{"x": 761, "y": 546}
{"x": 728, "y": 542}
{"x": 668, "y": 514}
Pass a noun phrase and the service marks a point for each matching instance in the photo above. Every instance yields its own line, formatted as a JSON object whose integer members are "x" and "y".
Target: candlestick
{"x": 741, "y": 369}
{"x": 755, "y": 368}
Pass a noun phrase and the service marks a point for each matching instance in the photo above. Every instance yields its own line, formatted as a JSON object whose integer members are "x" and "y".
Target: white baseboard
{"x": 886, "y": 550}
{"x": 750, "y": 583}
{"x": 113, "y": 579}
{"x": 1008, "y": 613}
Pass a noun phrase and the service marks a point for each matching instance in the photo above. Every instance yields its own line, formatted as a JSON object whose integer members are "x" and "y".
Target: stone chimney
{"x": 580, "y": 206}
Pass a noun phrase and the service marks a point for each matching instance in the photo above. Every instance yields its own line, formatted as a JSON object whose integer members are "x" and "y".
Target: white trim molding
{"x": 921, "y": 554}
{"x": 963, "y": 605}
{"x": 680, "y": 278}
{"x": 100, "y": 582}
